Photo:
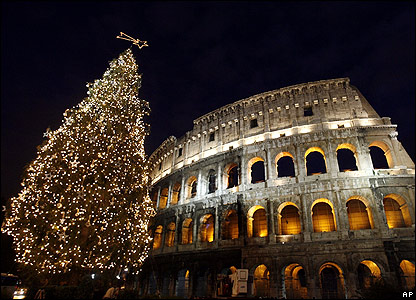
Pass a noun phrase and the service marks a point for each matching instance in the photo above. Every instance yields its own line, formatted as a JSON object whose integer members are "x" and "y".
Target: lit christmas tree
{"x": 84, "y": 202}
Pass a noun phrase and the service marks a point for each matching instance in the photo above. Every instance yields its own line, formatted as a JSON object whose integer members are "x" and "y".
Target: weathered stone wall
{"x": 341, "y": 118}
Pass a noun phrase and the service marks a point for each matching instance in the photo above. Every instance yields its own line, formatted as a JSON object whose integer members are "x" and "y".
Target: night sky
{"x": 201, "y": 56}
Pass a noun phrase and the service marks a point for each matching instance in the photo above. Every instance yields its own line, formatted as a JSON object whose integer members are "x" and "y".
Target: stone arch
{"x": 294, "y": 282}
{"x": 368, "y": 273}
{"x": 331, "y": 281}
{"x": 157, "y": 239}
{"x": 323, "y": 216}
{"x": 163, "y": 199}
{"x": 206, "y": 228}
{"x": 191, "y": 187}
{"x": 407, "y": 274}
{"x": 346, "y": 157}
{"x": 231, "y": 175}
{"x": 378, "y": 161}
{"x": 366, "y": 202}
{"x": 257, "y": 222}
{"x": 183, "y": 284}
{"x": 285, "y": 164}
{"x": 255, "y": 170}
{"x": 359, "y": 214}
{"x": 176, "y": 193}
{"x": 397, "y": 211}
{"x": 288, "y": 218}
{"x": 170, "y": 234}
{"x": 261, "y": 279}
{"x": 187, "y": 231}
{"x": 315, "y": 161}
{"x": 212, "y": 181}
{"x": 230, "y": 225}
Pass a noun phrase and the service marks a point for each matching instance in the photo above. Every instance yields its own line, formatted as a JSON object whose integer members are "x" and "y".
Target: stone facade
{"x": 226, "y": 201}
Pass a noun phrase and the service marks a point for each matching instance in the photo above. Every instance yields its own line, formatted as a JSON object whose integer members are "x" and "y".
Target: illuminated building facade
{"x": 306, "y": 186}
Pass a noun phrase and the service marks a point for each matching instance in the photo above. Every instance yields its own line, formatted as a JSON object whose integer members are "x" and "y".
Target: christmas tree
{"x": 84, "y": 202}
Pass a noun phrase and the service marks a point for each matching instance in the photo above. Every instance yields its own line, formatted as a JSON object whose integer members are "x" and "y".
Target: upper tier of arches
{"x": 259, "y": 167}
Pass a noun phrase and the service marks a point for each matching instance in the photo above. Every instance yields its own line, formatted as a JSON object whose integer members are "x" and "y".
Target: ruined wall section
{"x": 183, "y": 170}
{"x": 297, "y": 109}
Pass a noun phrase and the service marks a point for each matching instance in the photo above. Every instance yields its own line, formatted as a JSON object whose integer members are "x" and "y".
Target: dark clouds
{"x": 202, "y": 55}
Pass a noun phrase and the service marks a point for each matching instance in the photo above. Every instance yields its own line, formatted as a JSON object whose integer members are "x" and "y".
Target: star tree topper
{"x": 136, "y": 42}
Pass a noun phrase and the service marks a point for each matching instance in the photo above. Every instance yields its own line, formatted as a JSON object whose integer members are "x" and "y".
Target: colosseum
{"x": 300, "y": 192}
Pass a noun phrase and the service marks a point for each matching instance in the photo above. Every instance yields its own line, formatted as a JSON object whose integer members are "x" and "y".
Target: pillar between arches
{"x": 183, "y": 188}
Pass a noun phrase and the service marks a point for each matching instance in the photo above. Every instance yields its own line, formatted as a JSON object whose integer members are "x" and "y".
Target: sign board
{"x": 242, "y": 274}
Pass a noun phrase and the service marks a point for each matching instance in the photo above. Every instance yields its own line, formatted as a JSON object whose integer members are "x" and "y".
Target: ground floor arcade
{"x": 317, "y": 270}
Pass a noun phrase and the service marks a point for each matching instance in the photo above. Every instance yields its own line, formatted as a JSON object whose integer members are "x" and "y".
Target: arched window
{"x": 394, "y": 214}
{"x": 187, "y": 231}
{"x": 315, "y": 161}
{"x": 212, "y": 179}
{"x": 191, "y": 187}
{"x": 323, "y": 218}
{"x": 256, "y": 170}
{"x": 332, "y": 282}
{"x": 380, "y": 155}
{"x": 206, "y": 231}
{"x": 378, "y": 158}
{"x": 261, "y": 281}
{"x": 368, "y": 273}
{"x": 408, "y": 274}
{"x": 176, "y": 192}
{"x": 163, "y": 199}
{"x": 257, "y": 222}
{"x": 182, "y": 286}
{"x": 295, "y": 282}
{"x": 232, "y": 176}
{"x": 357, "y": 215}
{"x": 157, "y": 239}
{"x": 170, "y": 235}
{"x": 290, "y": 221}
{"x": 230, "y": 227}
{"x": 285, "y": 166}
{"x": 346, "y": 158}
{"x": 397, "y": 211}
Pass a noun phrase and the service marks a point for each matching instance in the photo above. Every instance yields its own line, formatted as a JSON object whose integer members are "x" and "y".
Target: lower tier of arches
{"x": 339, "y": 270}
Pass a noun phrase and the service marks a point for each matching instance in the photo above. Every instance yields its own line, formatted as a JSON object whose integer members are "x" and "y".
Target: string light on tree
{"x": 89, "y": 182}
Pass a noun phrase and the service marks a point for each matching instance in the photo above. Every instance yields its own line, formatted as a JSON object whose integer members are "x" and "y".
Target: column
{"x": 183, "y": 188}
{"x": 300, "y": 163}
{"x": 169, "y": 195}
{"x": 178, "y": 229}
{"x": 217, "y": 226}
{"x": 271, "y": 221}
{"x": 158, "y": 197}
{"x": 340, "y": 214}
{"x": 331, "y": 160}
{"x": 220, "y": 179}
{"x": 268, "y": 166}
{"x": 199, "y": 190}
{"x": 243, "y": 171}
{"x": 364, "y": 161}
{"x": 306, "y": 219}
